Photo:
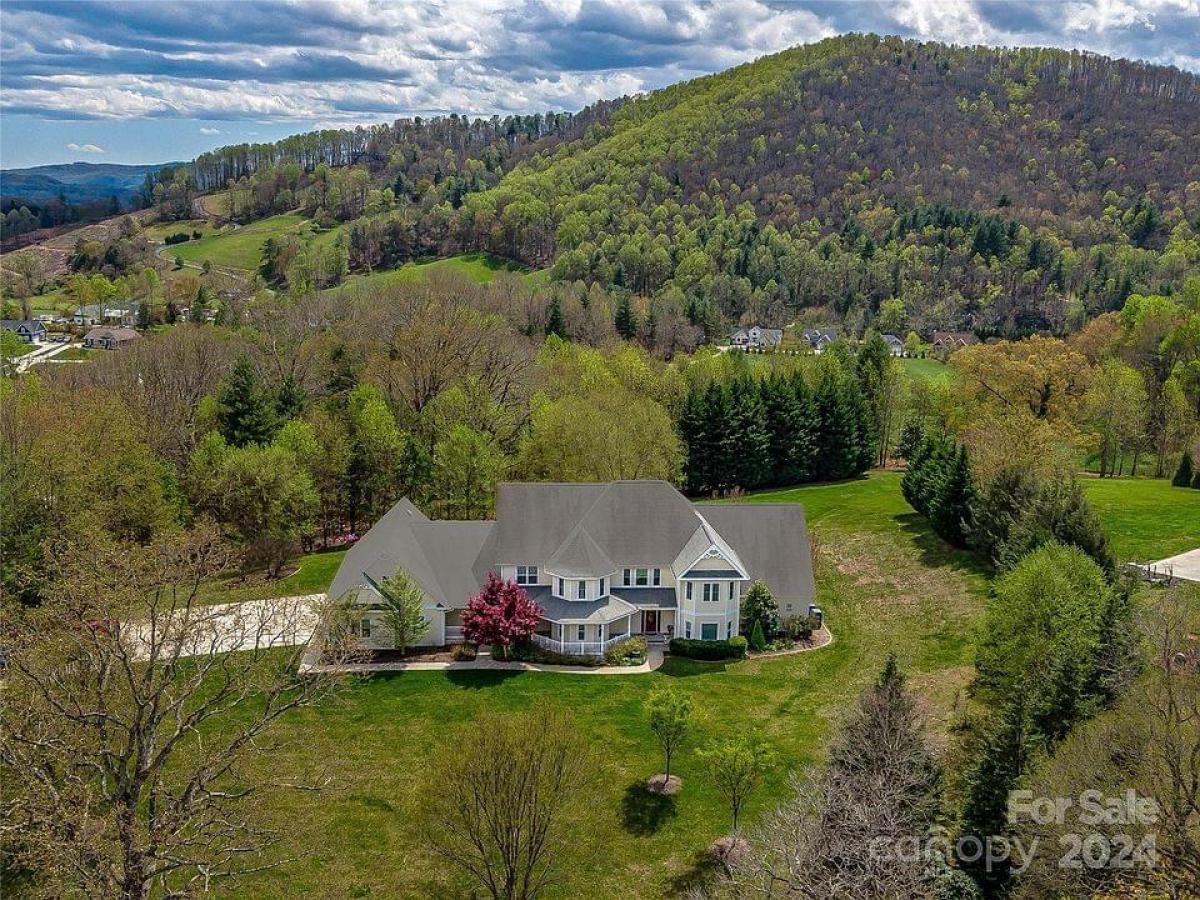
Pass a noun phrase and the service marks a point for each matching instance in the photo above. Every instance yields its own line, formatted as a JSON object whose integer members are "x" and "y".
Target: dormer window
{"x": 527, "y": 575}
{"x": 581, "y": 591}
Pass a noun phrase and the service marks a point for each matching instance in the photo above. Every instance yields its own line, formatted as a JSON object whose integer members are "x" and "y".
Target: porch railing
{"x": 577, "y": 648}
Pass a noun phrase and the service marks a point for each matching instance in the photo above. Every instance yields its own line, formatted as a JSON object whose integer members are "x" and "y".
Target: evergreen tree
{"x": 245, "y": 413}
{"x": 199, "y": 306}
{"x": 718, "y": 438}
{"x": 1002, "y": 760}
{"x": 792, "y": 443}
{"x": 555, "y": 324}
{"x": 836, "y": 451}
{"x": 750, "y": 459}
{"x": 758, "y": 640}
{"x": 1184, "y": 475}
{"x": 760, "y": 607}
{"x": 626, "y": 319}
{"x": 950, "y": 509}
{"x": 692, "y": 431}
{"x": 1061, "y": 512}
{"x": 291, "y": 399}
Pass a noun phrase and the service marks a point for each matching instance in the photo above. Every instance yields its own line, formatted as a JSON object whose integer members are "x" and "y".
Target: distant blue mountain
{"x": 79, "y": 182}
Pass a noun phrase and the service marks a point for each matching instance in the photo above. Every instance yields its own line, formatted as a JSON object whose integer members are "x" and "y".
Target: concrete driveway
{"x": 226, "y": 627}
{"x": 1183, "y": 565}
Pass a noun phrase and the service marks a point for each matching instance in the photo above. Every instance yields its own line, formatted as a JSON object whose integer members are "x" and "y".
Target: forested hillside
{"x": 1006, "y": 190}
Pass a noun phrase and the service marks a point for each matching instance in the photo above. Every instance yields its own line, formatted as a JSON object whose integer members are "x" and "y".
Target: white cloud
{"x": 85, "y": 148}
{"x": 210, "y": 130}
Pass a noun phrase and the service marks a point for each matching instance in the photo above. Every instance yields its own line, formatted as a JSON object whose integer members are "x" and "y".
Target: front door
{"x": 650, "y": 622}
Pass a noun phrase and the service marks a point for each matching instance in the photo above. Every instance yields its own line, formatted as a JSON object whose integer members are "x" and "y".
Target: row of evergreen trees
{"x": 1003, "y": 521}
{"x": 1187, "y": 475}
{"x": 763, "y": 432}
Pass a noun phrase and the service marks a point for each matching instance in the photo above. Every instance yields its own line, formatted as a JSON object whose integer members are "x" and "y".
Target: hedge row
{"x": 734, "y": 648}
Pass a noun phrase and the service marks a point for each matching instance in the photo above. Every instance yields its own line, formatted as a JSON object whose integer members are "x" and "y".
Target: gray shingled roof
{"x": 633, "y": 521}
{"x": 711, "y": 573}
{"x": 580, "y": 557}
{"x": 595, "y": 612}
{"x": 441, "y": 556}
{"x": 648, "y": 598}
{"x": 583, "y": 525}
{"x": 772, "y": 541}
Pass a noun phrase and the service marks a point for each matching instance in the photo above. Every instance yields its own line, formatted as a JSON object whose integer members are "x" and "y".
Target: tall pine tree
{"x": 246, "y": 414}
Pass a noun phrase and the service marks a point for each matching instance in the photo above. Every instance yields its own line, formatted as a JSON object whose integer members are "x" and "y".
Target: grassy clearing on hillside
{"x": 241, "y": 248}
{"x": 886, "y": 583}
{"x": 479, "y": 267}
{"x": 162, "y": 230}
{"x": 1146, "y": 518}
{"x": 927, "y": 369}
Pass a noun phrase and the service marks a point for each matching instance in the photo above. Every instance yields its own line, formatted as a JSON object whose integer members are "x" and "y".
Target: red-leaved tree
{"x": 500, "y": 615}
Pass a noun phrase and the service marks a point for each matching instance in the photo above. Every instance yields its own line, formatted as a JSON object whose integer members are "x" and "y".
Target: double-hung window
{"x": 527, "y": 574}
{"x": 603, "y": 584}
{"x": 731, "y": 590}
{"x": 364, "y": 628}
{"x": 562, "y": 589}
{"x": 711, "y": 591}
{"x": 687, "y": 628}
{"x": 581, "y": 632}
{"x": 657, "y": 577}
{"x": 581, "y": 591}
{"x": 642, "y": 577}
{"x": 627, "y": 577}
{"x": 689, "y": 589}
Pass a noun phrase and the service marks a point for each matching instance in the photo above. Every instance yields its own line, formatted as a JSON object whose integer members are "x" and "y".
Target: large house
{"x": 604, "y": 561}
{"x": 949, "y": 341}
{"x": 96, "y": 314}
{"x": 755, "y": 337}
{"x": 28, "y": 330}
{"x": 109, "y": 338}
{"x": 820, "y": 338}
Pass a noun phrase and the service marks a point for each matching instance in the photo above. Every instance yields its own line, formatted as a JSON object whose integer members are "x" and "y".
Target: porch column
{"x": 602, "y": 627}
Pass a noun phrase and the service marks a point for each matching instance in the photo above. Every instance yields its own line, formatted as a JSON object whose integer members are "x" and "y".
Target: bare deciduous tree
{"x": 503, "y": 799}
{"x": 132, "y": 715}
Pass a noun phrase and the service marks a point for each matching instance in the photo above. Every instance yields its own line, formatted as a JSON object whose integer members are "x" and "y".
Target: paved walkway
{"x": 654, "y": 659}
{"x": 1182, "y": 565}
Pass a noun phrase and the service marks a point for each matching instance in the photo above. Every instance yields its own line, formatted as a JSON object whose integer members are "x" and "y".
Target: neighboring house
{"x": 28, "y": 330}
{"x": 95, "y": 314}
{"x": 756, "y": 338}
{"x": 820, "y": 338}
{"x": 604, "y": 561}
{"x": 895, "y": 345}
{"x": 105, "y": 338}
{"x": 949, "y": 341}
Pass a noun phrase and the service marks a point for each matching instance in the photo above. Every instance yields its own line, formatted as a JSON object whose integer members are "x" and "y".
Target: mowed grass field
{"x": 479, "y": 267}
{"x": 928, "y": 369}
{"x": 886, "y": 583}
{"x": 1146, "y": 518}
{"x": 241, "y": 248}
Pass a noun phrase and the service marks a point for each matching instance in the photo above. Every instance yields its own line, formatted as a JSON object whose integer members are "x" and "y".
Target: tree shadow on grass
{"x": 480, "y": 679}
{"x": 643, "y": 811}
{"x": 934, "y": 550}
{"x": 702, "y": 871}
{"x": 682, "y": 667}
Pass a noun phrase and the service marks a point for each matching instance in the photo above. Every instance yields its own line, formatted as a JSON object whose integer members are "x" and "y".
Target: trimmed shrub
{"x": 463, "y": 652}
{"x": 530, "y": 652}
{"x": 800, "y": 628}
{"x": 734, "y": 648}
{"x": 629, "y": 652}
{"x": 758, "y": 641}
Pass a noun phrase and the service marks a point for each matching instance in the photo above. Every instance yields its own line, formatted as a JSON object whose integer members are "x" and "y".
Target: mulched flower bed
{"x": 418, "y": 654}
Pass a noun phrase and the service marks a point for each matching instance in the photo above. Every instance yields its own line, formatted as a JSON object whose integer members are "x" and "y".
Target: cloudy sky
{"x": 156, "y": 81}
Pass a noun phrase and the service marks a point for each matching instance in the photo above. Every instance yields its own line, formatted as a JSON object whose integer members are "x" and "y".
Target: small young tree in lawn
{"x": 758, "y": 641}
{"x": 1184, "y": 474}
{"x": 736, "y": 767}
{"x": 404, "y": 609}
{"x": 759, "y": 606}
{"x": 500, "y": 615}
{"x": 670, "y": 712}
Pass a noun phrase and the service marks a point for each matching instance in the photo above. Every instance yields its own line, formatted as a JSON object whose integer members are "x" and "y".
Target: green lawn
{"x": 927, "y": 369}
{"x": 314, "y": 572}
{"x": 886, "y": 584}
{"x": 241, "y": 248}
{"x": 1146, "y": 518}
{"x": 161, "y": 230}
{"x": 479, "y": 267}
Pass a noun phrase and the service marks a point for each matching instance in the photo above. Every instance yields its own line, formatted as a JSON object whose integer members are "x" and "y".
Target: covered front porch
{"x": 577, "y": 648}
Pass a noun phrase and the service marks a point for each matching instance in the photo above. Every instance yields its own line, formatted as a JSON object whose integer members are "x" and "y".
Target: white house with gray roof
{"x": 604, "y": 561}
